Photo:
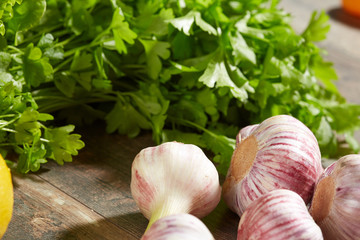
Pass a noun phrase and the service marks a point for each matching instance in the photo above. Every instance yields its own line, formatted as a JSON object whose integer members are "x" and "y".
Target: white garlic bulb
{"x": 278, "y": 215}
{"x": 281, "y": 152}
{"x": 174, "y": 178}
{"x": 336, "y": 203}
{"x": 178, "y": 227}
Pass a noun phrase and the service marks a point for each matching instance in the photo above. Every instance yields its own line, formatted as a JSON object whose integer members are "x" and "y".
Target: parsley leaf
{"x": 62, "y": 144}
{"x": 192, "y": 71}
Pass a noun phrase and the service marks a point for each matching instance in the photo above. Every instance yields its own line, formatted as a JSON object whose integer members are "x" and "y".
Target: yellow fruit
{"x": 6, "y": 196}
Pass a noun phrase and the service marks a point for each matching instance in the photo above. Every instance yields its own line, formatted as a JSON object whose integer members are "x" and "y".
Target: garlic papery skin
{"x": 245, "y": 132}
{"x": 336, "y": 203}
{"x": 276, "y": 215}
{"x": 178, "y": 227}
{"x": 174, "y": 178}
{"x": 279, "y": 153}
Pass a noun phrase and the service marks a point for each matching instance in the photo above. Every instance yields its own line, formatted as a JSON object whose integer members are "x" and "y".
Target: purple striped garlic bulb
{"x": 336, "y": 203}
{"x": 281, "y": 152}
{"x": 178, "y": 227}
{"x": 174, "y": 178}
{"x": 278, "y": 215}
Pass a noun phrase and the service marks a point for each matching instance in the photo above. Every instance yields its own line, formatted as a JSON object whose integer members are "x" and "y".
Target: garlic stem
{"x": 171, "y": 205}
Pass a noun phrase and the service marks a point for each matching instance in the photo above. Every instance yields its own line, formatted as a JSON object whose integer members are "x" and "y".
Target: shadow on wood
{"x": 96, "y": 231}
{"x": 342, "y": 16}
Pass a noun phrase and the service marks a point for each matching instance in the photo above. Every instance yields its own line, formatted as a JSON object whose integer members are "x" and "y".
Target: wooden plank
{"x": 42, "y": 211}
{"x": 100, "y": 179}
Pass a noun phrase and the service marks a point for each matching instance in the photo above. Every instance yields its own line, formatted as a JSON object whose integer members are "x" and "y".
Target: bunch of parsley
{"x": 194, "y": 71}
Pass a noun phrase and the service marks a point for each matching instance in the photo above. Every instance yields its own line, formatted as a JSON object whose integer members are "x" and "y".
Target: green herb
{"x": 191, "y": 71}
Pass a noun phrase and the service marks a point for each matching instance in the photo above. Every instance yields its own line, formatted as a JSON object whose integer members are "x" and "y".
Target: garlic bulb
{"x": 336, "y": 203}
{"x": 178, "y": 227}
{"x": 281, "y": 152}
{"x": 174, "y": 178}
{"x": 276, "y": 215}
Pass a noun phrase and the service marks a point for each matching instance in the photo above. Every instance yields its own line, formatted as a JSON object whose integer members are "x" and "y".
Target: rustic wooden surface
{"x": 90, "y": 198}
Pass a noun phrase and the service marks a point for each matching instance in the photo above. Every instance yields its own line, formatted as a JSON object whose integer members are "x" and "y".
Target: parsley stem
{"x": 7, "y": 115}
{"x": 7, "y": 144}
{"x": 7, "y": 129}
{"x": 41, "y": 33}
{"x": 60, "y": 44}
{"x": 8, "y": 123}
{"x": 15, "y": 49}
{"x": 15, "y": 68}
{"x": 86, "y": 46}
{"x": 62, "y": 64}
{"x": 44, "y": 140}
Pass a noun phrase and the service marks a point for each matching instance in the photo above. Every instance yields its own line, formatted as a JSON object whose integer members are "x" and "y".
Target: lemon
{"x": 6, "y": 196}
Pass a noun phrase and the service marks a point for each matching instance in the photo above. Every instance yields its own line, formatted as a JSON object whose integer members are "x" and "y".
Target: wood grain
{"x": 42, "y": 211}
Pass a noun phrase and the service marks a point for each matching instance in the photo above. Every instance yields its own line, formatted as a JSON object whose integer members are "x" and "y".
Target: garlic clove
{"x": 178, "y": 227}
{"x": 276, "y": 215}
{"x": 336, "y": 202}
{"x": 174, "y": 178}
{"x": 281, "y": 152}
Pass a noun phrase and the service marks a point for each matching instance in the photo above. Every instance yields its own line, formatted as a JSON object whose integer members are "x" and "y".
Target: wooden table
{"x": 90, "y": 198}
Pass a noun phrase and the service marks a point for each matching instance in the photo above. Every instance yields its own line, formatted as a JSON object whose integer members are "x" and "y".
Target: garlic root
{"x": 336, "y": 203}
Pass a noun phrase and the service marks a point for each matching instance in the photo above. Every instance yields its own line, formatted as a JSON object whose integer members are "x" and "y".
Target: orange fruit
{"x": 352, "y": 7}
{"x": 6, "y": 196}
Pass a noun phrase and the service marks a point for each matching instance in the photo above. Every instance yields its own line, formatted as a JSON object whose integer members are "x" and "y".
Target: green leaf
{"x": 241, "y": 50}
{"x": 79, "y": 4}
{"x": 27, "y": 14}
{"x": 323, "y": 133}
{"x": 102, "y": 84}
{"x": 217, "y": 75}
{"x": 352, "y": 141}
{"x": 155, "y": 24}
{"x": 27, "y": 126}
{"x": 5, "y": 60}
{"x": 37, "y": 68}
{"x": 2, "y": 28}
{"x": 223, "y": 147}
{"x": 121, "y": 31}
{"x": 85, "y": 79}
{"x": 154, "y": 51}
{"x": 61, "y": 144}
{"x": 47, "y": 46}
{"x": 125, "y": 119}
{"x": 65, "y": 82}
{"x": 184, "y": 23}
{"x": 346, "y": 117}
{"x": 81, "y": 61}
{"x": 81, "y": 21}
{"x": 31, "y": 157}
{"x": 317, "y": 28}
{"x": 325, "y": 72}
{"x": 183, "y": 137}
